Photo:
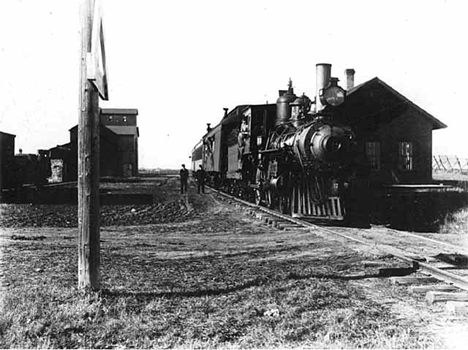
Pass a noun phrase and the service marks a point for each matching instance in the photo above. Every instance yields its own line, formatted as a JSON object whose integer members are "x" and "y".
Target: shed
{"x": 110, "y": 163}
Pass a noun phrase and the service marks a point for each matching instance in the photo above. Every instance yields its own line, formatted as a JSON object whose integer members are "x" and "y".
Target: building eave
{"x": 436, "y": 123}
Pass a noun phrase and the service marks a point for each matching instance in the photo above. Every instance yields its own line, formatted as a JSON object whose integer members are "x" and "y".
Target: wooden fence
{"x": 450, "y": 163}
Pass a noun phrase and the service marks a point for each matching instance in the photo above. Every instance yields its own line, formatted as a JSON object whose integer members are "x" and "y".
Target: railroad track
{"x": 430, "y": 260}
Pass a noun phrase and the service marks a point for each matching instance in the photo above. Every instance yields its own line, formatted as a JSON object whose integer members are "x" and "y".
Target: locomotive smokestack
{"x": 225, "y": 112}
{"x": 322, "y": 76}
{"x": 349, "y": 74}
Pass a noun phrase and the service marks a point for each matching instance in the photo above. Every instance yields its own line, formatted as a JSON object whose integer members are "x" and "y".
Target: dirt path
{"x": 215, "y": 251}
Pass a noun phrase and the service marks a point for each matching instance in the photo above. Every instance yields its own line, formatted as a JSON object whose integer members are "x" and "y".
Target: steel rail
{"x": 411, "y": 234}
{"x": 439, "y": 274}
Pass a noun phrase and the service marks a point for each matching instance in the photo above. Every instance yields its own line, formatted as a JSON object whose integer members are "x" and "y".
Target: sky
{"x": 181, "y": 62}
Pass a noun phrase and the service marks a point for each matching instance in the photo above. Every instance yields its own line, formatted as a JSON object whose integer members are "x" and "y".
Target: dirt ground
{"x": 200, "y": 245}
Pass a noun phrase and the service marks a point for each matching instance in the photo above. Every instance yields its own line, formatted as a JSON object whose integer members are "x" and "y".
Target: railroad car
{"x": 197, "y": 156}
{"x": 32, "y": 169}
{"x": 297, "y": 156}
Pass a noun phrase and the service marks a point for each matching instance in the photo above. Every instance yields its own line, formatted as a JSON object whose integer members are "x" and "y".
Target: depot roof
{"x": 378, "y": 96}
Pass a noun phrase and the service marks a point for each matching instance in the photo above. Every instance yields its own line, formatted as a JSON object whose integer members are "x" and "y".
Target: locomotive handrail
{"x": 270, "y": 151}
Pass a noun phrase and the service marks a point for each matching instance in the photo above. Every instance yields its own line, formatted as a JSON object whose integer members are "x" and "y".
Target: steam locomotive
{"x": 298, "y": 156}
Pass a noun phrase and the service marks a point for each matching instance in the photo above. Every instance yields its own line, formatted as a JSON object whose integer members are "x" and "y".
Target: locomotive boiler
{"x": 298, "y": 156}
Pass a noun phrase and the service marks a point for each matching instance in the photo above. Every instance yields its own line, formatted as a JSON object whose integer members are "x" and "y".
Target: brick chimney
{"x": 349, "y": 75}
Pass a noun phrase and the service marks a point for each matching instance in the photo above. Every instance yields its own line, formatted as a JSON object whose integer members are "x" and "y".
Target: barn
{"x": 393, "y": 132}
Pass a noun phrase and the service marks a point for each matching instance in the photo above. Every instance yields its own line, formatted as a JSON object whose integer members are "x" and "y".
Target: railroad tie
{"x": 457, "y": 307}
{"x": 412, "y": 280}
{"x": 434, "y": 296}
{"x": 432, "y": 288}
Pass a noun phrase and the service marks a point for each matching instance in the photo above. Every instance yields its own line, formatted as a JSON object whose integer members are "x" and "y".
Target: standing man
{"x": 201, "y": 176}
{"x": 183, "y": 179}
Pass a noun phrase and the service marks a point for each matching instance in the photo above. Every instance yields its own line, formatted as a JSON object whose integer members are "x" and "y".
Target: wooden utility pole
{"x": 89, "y": 275}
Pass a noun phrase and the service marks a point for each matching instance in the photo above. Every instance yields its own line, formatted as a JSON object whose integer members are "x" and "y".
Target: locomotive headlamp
{"x": 332, "y": 95}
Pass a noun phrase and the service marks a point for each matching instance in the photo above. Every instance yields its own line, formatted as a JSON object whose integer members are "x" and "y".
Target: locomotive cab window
{"x": 373, "y": 155}
{"x": 405, "y": 156}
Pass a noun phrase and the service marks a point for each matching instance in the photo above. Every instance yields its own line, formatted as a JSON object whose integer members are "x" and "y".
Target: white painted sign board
{"x": 96, "y": 70}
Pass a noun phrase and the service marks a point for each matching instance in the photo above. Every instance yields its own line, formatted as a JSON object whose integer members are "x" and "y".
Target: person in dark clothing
{"x": 184, "y": 174}
{"x": 200, "y": 175}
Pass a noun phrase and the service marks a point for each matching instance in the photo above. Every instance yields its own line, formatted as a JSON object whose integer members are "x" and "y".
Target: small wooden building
{"x": 60, "y": 162}
{"x": 7, "y": 153}
{"x": 109, "y": 155}
{"x": 393, "y": 133}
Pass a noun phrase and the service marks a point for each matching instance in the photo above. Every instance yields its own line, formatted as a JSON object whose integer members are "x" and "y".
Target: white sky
{"x": 181, "y": 62}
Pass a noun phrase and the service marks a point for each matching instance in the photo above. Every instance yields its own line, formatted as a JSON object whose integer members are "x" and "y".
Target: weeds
{"x": 209, "y": 303}
{"x": 211, "y": 280}
{"x": 456, "y": 223}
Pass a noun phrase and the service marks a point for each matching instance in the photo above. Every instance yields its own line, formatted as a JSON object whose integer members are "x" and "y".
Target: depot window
{"x": 405, "y": 155}
{"x": 373, "y": 155}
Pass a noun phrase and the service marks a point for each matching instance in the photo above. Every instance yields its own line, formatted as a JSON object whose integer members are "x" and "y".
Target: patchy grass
{"x": 456, "y": 223}
{"x": 425, "y": 211}
{"x": 281, "y": 314}
{"x": 441, "y": 175}
{"x": 171, "y": 286}
{"x": 212, "y": 279}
